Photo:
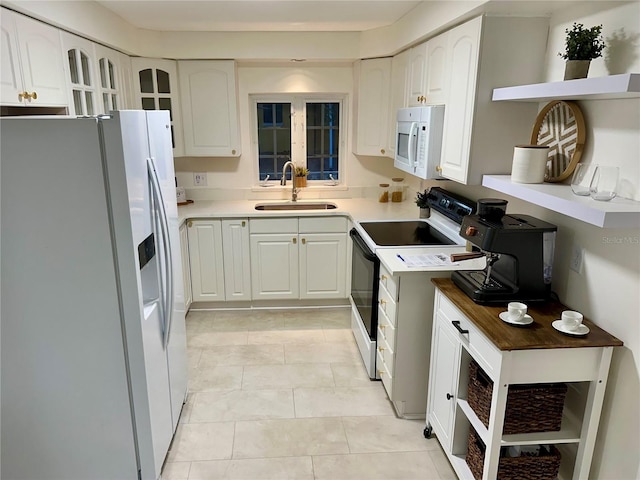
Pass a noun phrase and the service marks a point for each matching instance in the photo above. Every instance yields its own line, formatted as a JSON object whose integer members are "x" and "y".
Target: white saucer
{"x": 580, "y": 331}
{"x": 526, "y": 320}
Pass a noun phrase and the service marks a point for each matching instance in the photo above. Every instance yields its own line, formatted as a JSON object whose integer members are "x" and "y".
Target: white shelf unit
{"x": 626, "y": 85}
{"x": 617, "y": 213}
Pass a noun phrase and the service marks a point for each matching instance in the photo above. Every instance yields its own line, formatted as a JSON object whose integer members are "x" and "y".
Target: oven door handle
{"x": 366, "y": 252}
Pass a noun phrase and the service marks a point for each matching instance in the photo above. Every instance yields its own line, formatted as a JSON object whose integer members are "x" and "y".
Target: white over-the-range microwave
{"x": 419, "y": 140}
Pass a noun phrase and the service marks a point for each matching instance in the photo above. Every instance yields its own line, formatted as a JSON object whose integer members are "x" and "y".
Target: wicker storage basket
{"x": 530, "y": 408}
{"x": 539, "y": 467}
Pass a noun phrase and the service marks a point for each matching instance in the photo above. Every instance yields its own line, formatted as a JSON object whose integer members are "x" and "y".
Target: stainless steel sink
{"x": 296, "y": 206}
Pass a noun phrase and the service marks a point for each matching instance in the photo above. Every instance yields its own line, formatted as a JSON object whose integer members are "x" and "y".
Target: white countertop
{"x": 358, "y": 209}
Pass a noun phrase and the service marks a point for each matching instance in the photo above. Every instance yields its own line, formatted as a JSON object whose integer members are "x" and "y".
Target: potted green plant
{"x": 581, "y": 46}
{"x": 423, "y": 203}
{"x": 301, "y": 176}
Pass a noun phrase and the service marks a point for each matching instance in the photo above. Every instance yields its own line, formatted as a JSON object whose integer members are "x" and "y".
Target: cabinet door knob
{"x": 438, "y": 169}
{"x": 23, "y": 96}
{"x": 380, "y": 372}
{"x": 294, "y": 240}
{"x": 383, "y": 278}
{"x": 381, "y": 349}
{"x": 382, "y": 327}
{"x": 190, "y": 224}
{"x": 382, "y": 151}
{"x": 449, "y": 396}
{"x": 382, "y": 302}
{"x": 244, "y": 223}
{"x": 303, "y": 240}
{"x": 233, "y": 152}
{"x": 34, "y": 96}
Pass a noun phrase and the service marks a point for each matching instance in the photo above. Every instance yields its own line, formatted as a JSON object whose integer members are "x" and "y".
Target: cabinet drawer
{"x": 387, "y": 304}
{"x": 388, "y": 281}
{"x": 273, "y": 225}
{"x": 386, "y": 329}
{"x": 484, "y": 352}
{"x": 387, "y": 352}
{"x": 323, "y": 224}
{"x": 384, "y": 373}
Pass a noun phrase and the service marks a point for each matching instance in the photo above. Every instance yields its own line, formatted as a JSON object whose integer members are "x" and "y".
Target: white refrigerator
{"x": 93, "y": 343}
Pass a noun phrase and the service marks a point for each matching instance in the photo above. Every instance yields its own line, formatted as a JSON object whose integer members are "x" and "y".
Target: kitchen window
{"x": 303, "y": 129}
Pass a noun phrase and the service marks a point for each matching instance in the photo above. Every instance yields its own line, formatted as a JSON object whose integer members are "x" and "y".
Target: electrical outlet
{"x": 577, "y": 256}
{"x": 200, "y": 179}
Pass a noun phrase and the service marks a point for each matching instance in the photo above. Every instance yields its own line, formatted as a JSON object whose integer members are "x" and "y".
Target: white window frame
{"x": 298, "y": 103}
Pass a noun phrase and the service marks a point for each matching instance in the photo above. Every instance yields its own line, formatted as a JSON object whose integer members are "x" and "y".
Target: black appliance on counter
{"x": 519, "y": 251}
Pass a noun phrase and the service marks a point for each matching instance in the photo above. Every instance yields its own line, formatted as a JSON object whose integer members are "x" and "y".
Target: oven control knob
{"x": 471, "y": 231}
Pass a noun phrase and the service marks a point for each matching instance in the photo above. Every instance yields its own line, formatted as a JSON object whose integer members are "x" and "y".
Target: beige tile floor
{"x": 283, "y": 394}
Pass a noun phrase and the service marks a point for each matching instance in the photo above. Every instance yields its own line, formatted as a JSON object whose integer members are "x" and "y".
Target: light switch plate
{"x": 577, "y": 257}
{"x": 200, "y": 179}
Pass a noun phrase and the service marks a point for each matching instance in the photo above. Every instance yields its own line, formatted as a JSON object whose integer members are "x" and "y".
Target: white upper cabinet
{"x": 155, "y": 86}
{"x": 372, "y": 84}
{"x": 111, "y": 81}
{"x": 398, "y": 96}
{"x": 209, "y": 108}
{"x": 82, "y": 75}
{"x": 479, "y": 135}
{"x": 438, "y": 65}
{"x": 31, "y": 69}
{"x": 416, "y": 75}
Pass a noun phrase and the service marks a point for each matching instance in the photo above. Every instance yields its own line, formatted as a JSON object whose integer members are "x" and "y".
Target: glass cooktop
{"x": 403, "y": 233}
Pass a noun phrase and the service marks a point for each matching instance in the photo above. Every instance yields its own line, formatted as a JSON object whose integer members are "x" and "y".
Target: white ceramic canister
{"x": 529, "y": 163}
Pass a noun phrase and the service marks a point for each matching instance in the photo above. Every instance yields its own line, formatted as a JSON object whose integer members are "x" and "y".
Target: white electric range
{"x": 438, "y": 234}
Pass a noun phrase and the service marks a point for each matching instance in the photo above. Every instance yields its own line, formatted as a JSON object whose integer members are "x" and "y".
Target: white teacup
{"x": 571, "y": 320}
{"x": 516, "y": 311}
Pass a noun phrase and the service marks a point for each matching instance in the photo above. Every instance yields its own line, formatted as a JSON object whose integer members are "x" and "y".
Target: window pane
{"x": 165, "y": 104}
{"x": 73, "y": 67}
{"x": 86, "y": 74}
{"x": 103, "y": 72}
{"x": 89, "y": 100}
{"x": 112, "y": 77}
{"x": 114, "y": 101}
{"x": 323, "y": 140}
{"x": 77, "y": 102}
{"x": 146, "y": 81}
{"x": 105, "y": 102}
{"x": 163, "y": 81}
{"x": 274, "y": 138}
{"x": 148, "y": 103}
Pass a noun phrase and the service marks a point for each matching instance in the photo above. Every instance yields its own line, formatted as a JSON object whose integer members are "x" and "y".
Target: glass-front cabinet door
{"x": 82, "y": 75}
{"x": 110, "y": 79}
{"x": 155, "y": 86}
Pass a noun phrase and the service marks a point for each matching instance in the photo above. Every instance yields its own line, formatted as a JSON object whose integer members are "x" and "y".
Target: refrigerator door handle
{"x": 164, "y": 225}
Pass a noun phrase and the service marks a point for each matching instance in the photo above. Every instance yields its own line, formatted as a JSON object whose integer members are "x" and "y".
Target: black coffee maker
{"x": 519, "y": 251}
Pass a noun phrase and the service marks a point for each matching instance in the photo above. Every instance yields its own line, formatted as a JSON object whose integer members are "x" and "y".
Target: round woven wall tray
{"x": 560, "y": 126}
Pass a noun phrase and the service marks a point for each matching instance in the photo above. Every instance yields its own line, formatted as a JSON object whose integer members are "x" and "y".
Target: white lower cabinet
{"x": 205, "y": 256}
{"x": 405, "y": 304}
{"x": 295, "y": 258}
{"x": 237, "y": 267}
{"x": 186, "y": 266}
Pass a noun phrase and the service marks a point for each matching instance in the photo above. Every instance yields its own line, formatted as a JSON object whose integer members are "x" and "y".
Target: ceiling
{"x": 260, "y": 15}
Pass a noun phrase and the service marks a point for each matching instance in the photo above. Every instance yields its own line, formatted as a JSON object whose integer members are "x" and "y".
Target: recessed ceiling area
{"x": 260, "y": 15}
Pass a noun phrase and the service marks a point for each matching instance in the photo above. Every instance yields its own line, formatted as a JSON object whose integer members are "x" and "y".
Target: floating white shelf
{"x": 618, "y": 213}
{"x": 626, "y": 85}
